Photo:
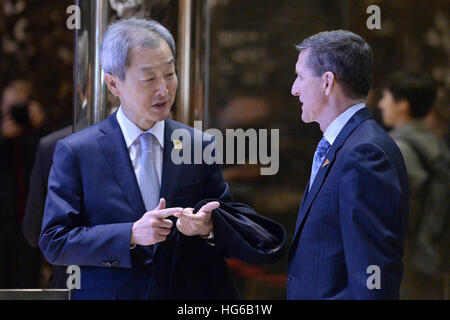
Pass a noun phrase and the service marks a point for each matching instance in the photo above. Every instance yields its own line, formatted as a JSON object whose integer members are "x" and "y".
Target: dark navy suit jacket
{"x": 354, "y": 216}
{"x": 94, "y": 199}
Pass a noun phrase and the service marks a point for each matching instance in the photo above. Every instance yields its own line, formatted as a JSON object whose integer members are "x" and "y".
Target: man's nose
{"x": 162, "y": 89}
{"x": 295, "y": 90}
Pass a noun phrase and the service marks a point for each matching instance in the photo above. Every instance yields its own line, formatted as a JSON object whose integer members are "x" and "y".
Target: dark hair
{"x": 418, "y": 89}
{"x": 345, "y": 54}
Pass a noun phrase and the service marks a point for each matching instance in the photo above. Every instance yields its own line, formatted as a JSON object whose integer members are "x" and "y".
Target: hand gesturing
{"x": 200, "y": 223}
{"x": 153, "y": 227}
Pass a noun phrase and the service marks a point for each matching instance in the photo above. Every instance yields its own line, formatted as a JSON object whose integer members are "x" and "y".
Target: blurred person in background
{"x": 407, "y": 99}
{"x": 17, "y": 103}
{"x": 437, "y": 120}
{"x": 21, "y": 122}
{"x": 32, "y": 221}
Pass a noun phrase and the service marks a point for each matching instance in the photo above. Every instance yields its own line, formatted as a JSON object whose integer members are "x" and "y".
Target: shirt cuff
{"x": 209, "y": 238}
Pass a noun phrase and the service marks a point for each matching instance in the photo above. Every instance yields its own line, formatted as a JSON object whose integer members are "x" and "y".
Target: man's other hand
{"x": 200, "y": 223}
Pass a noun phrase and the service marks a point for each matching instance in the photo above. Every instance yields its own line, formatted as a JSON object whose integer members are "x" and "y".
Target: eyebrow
{"x": 150, "y": 67}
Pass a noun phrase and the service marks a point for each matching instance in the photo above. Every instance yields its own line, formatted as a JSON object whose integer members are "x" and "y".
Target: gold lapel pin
{"x": 177, "y": 144}
{"x": 325, "y": 163}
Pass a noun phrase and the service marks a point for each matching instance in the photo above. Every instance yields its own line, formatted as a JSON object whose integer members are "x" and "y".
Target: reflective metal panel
{"x": 35, "y": 294}
{"x": 89, "y": 104}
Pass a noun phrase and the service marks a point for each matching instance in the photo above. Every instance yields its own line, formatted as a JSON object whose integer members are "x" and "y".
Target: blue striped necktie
{"x": 319, "y": 156}
{"x": 147, "y": 177}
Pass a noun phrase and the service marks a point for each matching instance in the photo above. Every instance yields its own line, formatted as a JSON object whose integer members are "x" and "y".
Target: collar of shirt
{"x": 131, "y": 131}
{"x": 336, "y": 126}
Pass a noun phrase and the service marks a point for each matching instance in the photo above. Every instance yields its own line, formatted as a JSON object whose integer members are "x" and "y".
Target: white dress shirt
{"x": 336, "y": 126}
{"x": 131, "y": 133}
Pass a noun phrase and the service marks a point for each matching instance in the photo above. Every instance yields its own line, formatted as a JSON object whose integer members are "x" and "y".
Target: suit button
{"x": 106, "y": 264}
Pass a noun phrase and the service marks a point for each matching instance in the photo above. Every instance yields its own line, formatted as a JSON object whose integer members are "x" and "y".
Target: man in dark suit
{"x": 349, "y": 237}
{"x": 115, "y": 196}
{"x": 34, "y": 210}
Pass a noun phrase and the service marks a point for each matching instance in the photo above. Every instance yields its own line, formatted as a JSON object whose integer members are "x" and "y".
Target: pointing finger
{"x": 185, "y": 214}
{"x": 166, "y": 212}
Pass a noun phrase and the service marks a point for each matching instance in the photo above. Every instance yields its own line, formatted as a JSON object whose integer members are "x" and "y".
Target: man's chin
{"x": 160, "y": 118}
{"x": 160, "y": 115}
{"x": 305, "y": 118}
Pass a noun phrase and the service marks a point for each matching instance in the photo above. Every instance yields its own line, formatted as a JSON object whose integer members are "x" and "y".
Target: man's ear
{"x": 403, "y": 105}
{"x": 113, "y": 84}
{"x": 328, "y": 81}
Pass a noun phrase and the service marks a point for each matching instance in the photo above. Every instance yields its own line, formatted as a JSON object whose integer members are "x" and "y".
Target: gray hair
{"x": 124, "y": 35}
{"x": 346, "y": 55}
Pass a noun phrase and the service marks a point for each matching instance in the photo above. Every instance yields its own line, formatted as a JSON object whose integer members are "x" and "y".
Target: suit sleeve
{"x": 370, "y": 200}
{"x": 65, "y": 239}
{"x": 239, "y": 232}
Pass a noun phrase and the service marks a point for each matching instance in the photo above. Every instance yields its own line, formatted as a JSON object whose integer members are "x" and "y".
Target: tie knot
{"x": 323, "y": 147}
{"x": 146, "y": 141}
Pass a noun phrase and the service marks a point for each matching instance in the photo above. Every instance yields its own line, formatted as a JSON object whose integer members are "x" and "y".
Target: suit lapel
{"x": 112, "y": 143}
{"x": 170, "y": 173}
{"x": 302, "y": 204}
{"x": 317, "y": 184}
{"x": 310, "y": 195}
